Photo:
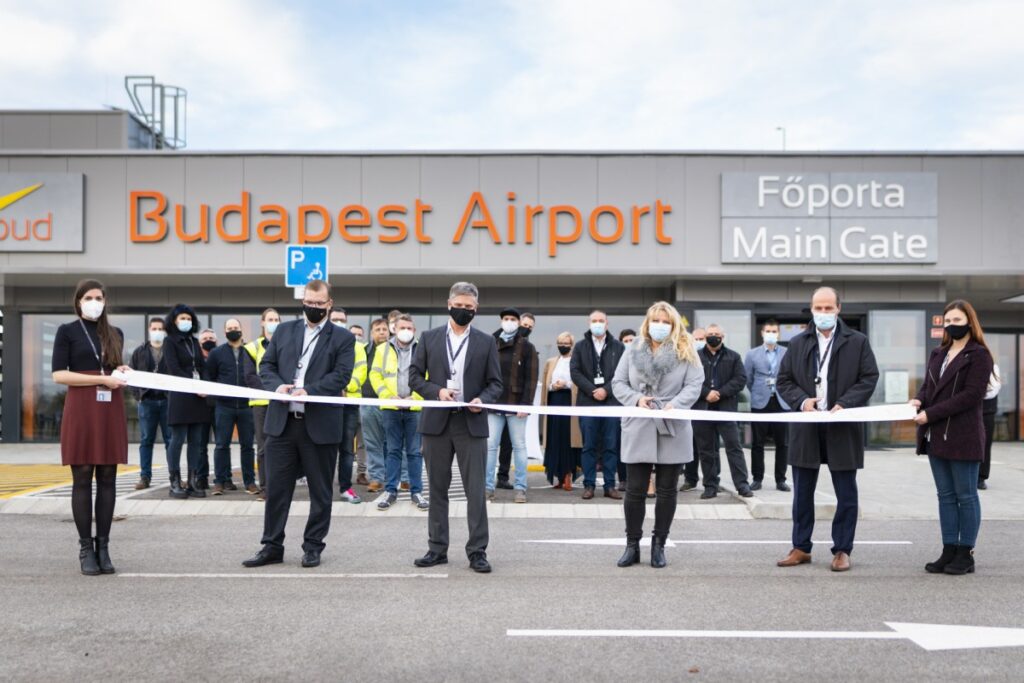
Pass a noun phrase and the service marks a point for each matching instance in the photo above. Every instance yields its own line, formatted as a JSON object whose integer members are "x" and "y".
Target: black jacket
{"x": 183, "y": 355}
{"x": 583, "y": 368}
{"x": 727, "y": 366}
{"x": 481, "y": 379}
{"x": 518, "y": 360}
{"x": 953, "y": 403}
{"x": 142, "y": 359}
{"x": 222, "y": 367}
{"x": 852, "y": 376}
{"x": 328, "y": 370}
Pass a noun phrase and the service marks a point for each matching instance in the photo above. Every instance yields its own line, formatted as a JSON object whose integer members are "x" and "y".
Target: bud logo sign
{"x": 41, "y": 211}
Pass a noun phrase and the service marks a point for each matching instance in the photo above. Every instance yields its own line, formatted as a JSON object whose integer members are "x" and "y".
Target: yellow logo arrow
{"x": 9, "y": 199}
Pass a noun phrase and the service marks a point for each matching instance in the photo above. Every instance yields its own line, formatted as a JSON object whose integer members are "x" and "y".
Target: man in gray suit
{"x": 456, "y": 362}
{"x": 305, "y": 357}
{"x": 762, "y": 367}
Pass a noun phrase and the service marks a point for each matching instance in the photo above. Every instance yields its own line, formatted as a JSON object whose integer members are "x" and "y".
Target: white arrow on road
{"x": 928, "y": 636}
{"x": 672, "y": 544}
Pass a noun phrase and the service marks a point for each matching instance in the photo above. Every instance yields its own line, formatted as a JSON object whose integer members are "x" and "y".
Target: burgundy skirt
{"x": 91, "y": 432}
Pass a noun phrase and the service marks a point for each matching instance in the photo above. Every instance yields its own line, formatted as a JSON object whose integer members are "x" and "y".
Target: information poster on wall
{"x": 897, "y": 386}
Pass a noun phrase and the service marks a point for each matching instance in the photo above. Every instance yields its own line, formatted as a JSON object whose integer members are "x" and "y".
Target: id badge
{"x": 452, "y": 385}
{"x": 104, "y": 395}
{"x": 819, "y": 394}
{"x": 599, "y": 381}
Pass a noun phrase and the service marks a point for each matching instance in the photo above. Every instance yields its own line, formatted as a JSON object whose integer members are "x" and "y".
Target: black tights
{"x": 81, "y": 498}
{"x": 666, "y": 480}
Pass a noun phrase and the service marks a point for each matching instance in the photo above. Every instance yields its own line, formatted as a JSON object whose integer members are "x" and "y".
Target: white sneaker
{"x": 350, "y": 496}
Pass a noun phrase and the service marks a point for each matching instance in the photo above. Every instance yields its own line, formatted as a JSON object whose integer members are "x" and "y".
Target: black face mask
{"x": 713, "y": 341}
{"x": 314, "y": 315}
{"x": 462, "y": 316}
{"x": 234, "y": 335}
{"x": 564, "y": 349}
{"x": 957, "y": 331}
{"x": 208, "y": 345}
{"x": 524, "y": 332}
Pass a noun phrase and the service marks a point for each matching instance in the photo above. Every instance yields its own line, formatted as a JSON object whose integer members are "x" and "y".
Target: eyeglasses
{"x": 315, "y": 304}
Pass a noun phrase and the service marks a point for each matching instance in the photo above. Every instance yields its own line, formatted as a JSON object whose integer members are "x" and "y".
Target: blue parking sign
{"x": 303, "y": 264}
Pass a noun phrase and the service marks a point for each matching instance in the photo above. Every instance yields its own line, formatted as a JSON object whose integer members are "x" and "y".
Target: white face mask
{"x": 92, "y": 309}
{"x": 597, "y": 329}
{"x": 509, "y": 326}
{"x": 659, "y": 331}
{"x": 771, "y": 338}
{"x": 340, "y": 324}
{"x": 156, "y": 337}
{"x": 271, "y": 328}
{"x": 405, "y": 336}
{"x": 699, "y": 344}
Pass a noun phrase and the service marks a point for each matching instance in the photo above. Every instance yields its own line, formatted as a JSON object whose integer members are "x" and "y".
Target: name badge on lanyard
{"x": 103, "y": 394}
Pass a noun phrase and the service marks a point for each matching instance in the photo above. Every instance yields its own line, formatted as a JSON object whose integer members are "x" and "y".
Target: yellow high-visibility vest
{"x": 359, "y": 371}
{"x": 256, "y": 349}
{"x": 384, "y": 374}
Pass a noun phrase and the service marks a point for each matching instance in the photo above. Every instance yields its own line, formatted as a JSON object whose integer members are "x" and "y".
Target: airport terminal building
{"x": 729, "y": 237}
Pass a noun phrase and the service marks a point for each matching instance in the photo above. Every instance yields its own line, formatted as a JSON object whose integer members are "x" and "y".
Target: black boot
{"x": 939, "y": 565}
{"x": 632, "y": 554}
{"x": 87, "y": 556}
{"x": 103, "y": 555}
{"x": 963, "y": 563}
{"x": 195, "y": 489}
{"x": 176, "y": 490}
{"x": 658, "y": 552}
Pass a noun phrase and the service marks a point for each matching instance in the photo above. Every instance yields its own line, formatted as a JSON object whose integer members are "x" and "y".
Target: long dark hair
{"x": 972, "y": 320}
{"x": 109, "y": 341}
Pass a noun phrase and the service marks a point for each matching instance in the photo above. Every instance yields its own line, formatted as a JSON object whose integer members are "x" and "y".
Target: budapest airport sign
{"x": 794, "y": 218}
{"x": 41, "y": 212}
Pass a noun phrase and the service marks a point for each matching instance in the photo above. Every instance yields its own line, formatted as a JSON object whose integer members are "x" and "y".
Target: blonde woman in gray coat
{"x": 660, "y": 371}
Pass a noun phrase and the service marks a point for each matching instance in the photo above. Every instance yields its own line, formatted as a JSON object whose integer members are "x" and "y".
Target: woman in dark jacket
{"x": 950, "y": 431}
{"x": 186, "y": 413}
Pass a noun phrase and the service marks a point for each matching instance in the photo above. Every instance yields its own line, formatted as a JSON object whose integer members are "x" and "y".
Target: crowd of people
{"x": 662, "y": 366}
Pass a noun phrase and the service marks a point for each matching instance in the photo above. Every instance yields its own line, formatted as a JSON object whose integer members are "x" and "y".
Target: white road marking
{"x": 264, "y": 575}
{"x": 644, "y": 542}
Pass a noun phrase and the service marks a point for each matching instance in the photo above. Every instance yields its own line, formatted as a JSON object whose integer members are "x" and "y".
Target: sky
{"x": 539, "y": 74}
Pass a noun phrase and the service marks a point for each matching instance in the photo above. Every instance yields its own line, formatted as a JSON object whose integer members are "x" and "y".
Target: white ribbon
{"x": 883, "y": 413}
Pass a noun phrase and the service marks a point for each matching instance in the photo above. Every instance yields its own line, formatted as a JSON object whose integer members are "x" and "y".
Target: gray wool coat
{"x": 671, "y": 381}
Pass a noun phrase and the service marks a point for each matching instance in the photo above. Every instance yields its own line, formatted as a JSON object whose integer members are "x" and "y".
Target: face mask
{"x": 156, "y": 337}
{"x": 359, "y": 339}
{"x": 509, "y": 327}
{"x": 233, "y": 335}
{"x": 92, "y": 309}
{"x": 564, "y": 349}
{"x": 714, "y": 341}
{"x": 525, "y": 332}
{"x": 461, "y": 316}
{"x": 405, "y": 336}
{"x": 208, "y": 345}
{"x": 659, "y": 331}
{"x": 957, "y": 331}
{"x": 340, "y": 324}
{"x": 314, "y": 315}
{"x": 184, "y": 326}
{"x": 699, "y": 343}
{"x": 597, "y": 329}
{"x": 825, "y": 321}
{"x": 771, "y": 337}
{"x": 271, "y": 328}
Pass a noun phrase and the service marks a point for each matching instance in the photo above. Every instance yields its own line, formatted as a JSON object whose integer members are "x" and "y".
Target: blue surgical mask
{"x": 699, "y": 344}
{"x": 184, "y": 326}
{"x": 659, "y": 331}
{"x": 271, "y": 328}
{"x": 597, "y": 329}
{"x": 825, "y": 321}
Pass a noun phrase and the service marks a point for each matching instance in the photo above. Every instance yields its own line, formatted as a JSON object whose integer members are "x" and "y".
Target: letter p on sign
{"x": 303, "y": 263}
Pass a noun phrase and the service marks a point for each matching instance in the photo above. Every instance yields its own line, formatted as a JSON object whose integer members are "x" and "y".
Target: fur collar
{"x": 653, "y": 366}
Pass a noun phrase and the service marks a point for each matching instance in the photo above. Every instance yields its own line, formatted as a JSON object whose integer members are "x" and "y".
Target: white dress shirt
{"x": 561, "y": 372}
{"x": 994, "y": 384}
{"x": 825, "y": 360}
{"x": 458, "y": 366}
{"x": 310, "y": 338}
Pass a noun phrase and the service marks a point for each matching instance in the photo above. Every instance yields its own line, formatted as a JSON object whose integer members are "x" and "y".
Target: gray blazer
{"x": 671, "y": 381}
{"x": 759, "y": 369}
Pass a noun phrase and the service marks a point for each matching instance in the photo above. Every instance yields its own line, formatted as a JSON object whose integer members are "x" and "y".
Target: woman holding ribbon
{"x": 186, "y": 413}
{"x": 93, "y": 432}
{"x": 660, "y": 371}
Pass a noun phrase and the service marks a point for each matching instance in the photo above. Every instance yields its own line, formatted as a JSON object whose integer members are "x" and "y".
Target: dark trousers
{"x": 152, "y": 415}
{"x": 690, "y": 468}
{"x": 180, "y": 434}
{"x": 471, "y": 451}
{"x": 287, "y": 455}
{"x": 259, "y": 416}
{"x": 989, "y": 420}
{"x": 844, "y": 524}
{"x": 706, "y": 434}
{"x": 203, "y": 463}
{"x": 779, "y": 433}
{"x": 347, "y": 447}
{"x": 666, "y": 481}
{"x": 226, "y": 419}
{"x": 600, "y": 440}
{"x": 504, "y": 455}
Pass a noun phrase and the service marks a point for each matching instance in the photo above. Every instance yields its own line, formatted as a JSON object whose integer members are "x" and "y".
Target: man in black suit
{"x": 305, "y": 357}
{"x": 456, "y": 362}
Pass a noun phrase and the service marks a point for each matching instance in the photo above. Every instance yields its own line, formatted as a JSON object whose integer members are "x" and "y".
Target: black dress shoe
{"x": 431, "y": 559}
{"x": 505, "y": 484}
{"x": 756, "y": 486}
{"x": 709, "y": 492}
{"x": 745, "y": 492}
{"x": 264, "y": 557}
{"x": 311, "y": 558}
{"x": 478, "y": 563}
{"x": 783, "y": 486}
{"x": 982, "y": 486}
{"x": 176, "y": 490}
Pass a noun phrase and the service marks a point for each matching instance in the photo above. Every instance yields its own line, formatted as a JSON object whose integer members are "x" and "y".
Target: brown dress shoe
{"x": 841, "y": 562}
{"x": 143, "y": 483}
{"x": 361, "y": 479}
{"x": 252, "y": 489}
{"x": 404, "y": 486}
{"x": 612, "y": 493}
{"x": 567, "y": 482}
{"x": 588, "y": 492}
{"x": 374, "y": 486}
{"x": 795, "y": 557}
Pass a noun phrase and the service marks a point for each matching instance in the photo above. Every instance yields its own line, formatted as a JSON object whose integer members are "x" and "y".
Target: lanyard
{"x": 312, "y": 341}
{"x": 773, "y": 360}
{"x": 714, "y": 369}
{"x": 820, "y": 362}
{"x": 454, "y": 355}
{"x": 97, "y": 354}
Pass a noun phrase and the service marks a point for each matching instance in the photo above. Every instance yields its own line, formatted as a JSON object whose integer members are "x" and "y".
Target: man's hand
{"x": 522, "y": 414}
{"x": 600, "y": 394}
{"x": 446, "y": 395}
{"x": 645, "y": 402}
{"x": 836, "y": 408}
{"x": 713, "y": 396}
{"x": 284, "y": 389}
{"x": 475, "y": 401}
{"x": 921, "y": 418}
{"x": 299, "y": 392}
{"x": 124, "y": 368}
{"x": 809, "y": 405}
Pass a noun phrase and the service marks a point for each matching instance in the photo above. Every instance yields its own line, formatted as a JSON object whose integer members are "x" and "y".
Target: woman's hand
{"x": 123, "y": 368}
{"x": 645, "y": 402}
{"x": 112, "y": 382}
{"x": 914, "y": 402}
{"x": 921, "y": 418}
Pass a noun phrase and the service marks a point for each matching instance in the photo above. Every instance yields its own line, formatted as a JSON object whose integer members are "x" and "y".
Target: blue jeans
{"x": 226, "y": 418}
{"x": 152, "y": 414}
{"x": 193, "y": 434}
{"x": 517, "y": 435}
{"x": 402, "y": 437}
{"x": 374, "y": 439}
{"x": 959, "y": 508}
{"x": 603, "y": 432}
